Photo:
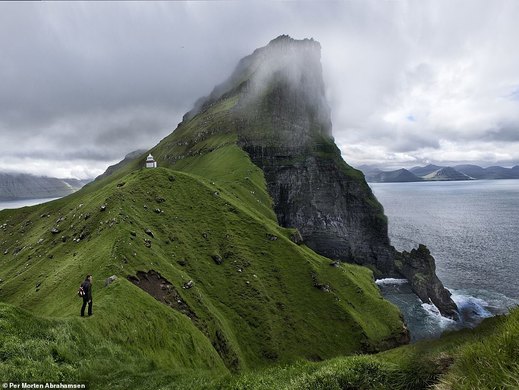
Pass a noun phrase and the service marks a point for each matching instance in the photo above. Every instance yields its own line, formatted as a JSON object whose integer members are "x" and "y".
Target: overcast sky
{"x": 82, "y": 84}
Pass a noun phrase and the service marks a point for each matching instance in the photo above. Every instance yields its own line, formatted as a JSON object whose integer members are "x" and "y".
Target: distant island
{"x": 15, "y": 186}
{"x": 433, "y": 172}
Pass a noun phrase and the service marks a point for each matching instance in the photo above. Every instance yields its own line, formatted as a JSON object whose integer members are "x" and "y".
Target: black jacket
{"x": 87, "y": 288}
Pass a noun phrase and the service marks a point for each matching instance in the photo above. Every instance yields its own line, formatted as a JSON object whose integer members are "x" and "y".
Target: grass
{"x": 40, "y": 349}
{"x": 35, "y": 348}
{"x": 483, "y": 358}
{"x": 260, "y": 305}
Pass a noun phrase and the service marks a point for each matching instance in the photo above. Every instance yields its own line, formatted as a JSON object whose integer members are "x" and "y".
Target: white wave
{"x": 435, "y": 317}
{"x": 472, "y": 311}
{"x": 471, "y": 306}
{"x": 388, "y": 281}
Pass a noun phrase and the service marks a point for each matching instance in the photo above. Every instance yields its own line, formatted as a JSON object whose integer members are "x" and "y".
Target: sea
{"x": 15, "y": 204}
{"x": 472, "y": 230}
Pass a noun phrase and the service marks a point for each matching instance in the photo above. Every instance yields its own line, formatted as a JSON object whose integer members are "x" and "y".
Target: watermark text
{"x": 43, "y": 385}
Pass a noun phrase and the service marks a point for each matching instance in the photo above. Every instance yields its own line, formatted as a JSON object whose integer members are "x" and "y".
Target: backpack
{"x": 81, "y": 292}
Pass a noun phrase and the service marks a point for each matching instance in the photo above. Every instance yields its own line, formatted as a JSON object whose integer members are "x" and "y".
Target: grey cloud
{"x": 64, "y": 156}
{"x": 413, "y": 142}
{"x": 93, "y": 81}
{"x": 504, "y": 133}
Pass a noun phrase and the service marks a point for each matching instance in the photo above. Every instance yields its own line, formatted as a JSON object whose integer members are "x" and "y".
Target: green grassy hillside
{"x": 269, "y": 301}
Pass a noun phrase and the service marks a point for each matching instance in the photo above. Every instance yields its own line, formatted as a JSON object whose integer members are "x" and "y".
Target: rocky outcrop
{"x": 418, "y": 266}
{"x": 162, "y": 290}
{"x": 110, "y": 280}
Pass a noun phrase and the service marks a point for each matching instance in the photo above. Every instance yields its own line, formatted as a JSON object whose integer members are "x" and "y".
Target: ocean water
{"x": 15, "y": 204}
{"x": 472, "y": 230}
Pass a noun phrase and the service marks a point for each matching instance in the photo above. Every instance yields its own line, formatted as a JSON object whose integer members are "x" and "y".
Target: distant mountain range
{"x": 439, "y": 173}
{"x": 15, "y": 186}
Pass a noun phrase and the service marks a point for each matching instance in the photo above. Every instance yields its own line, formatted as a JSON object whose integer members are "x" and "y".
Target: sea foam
{"x": 390, "y": 281}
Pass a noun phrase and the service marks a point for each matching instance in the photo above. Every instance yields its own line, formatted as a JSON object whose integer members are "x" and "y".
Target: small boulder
{"x": 149, "y": 233}
{"x": 335, "y": 263}
{"x": 188, "y": 285}
{"x": 272, "y": 237}
{"x": 110, "y": 280}
{"x": 296, "y": 237}
{"x": 133, "y": 233}
{"x": 217, "y": 259}
{"x": 147, "y": 243}
{"x": 102, "y": 208}
{"x": 322, "y": 287}
{"x": 55, "y": 230}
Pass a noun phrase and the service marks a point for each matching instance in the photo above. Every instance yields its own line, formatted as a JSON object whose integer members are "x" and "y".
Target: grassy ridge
{"x": 262, "y": 306}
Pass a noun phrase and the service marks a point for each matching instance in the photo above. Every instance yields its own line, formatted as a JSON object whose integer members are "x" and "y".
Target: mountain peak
{"x": 288, "y": 63}
{"x": 446, "y": 173}
{"x": 286, "y": 40}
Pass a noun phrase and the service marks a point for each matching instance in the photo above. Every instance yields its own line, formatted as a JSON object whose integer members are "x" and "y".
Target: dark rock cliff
{"x": 283, "y": 122}
{"x": 418, "y": 266}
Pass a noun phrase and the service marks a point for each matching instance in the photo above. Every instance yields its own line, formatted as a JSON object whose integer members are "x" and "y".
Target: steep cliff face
{"x": 282, "y": 121}
{"x": 285, "y": 127}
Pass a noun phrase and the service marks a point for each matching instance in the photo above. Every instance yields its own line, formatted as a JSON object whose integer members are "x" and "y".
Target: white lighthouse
{"x": 150, "y": 162}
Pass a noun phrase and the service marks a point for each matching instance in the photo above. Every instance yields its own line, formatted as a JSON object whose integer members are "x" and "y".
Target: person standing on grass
{"x": 87, "y": 296}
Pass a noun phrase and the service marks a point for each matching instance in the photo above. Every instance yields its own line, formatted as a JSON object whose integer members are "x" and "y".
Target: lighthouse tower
{"x": 150, "y": 162}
